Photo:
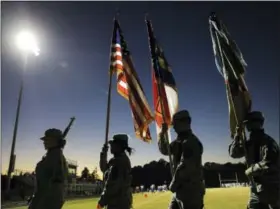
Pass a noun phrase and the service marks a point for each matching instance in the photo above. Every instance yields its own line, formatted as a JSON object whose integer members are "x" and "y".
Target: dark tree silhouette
{"x": 85, "y": 174}
{"x": 158, "y": 173}
{"x": 94, "y": 175}
{"x": 155, "y": 172}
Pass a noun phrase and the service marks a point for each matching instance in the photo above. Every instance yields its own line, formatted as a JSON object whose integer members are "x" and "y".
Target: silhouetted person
{"x": 263, "y": 160}
{"x": 187, "y": 183}
{"x": 51, "y": 173}
{"x": 117, "y": 193}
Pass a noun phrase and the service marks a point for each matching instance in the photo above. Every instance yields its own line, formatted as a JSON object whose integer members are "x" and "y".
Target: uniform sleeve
{"x": 59, "y": 167}
{"x": 103, "y": 163}
{"x": 190, "y": 160}
{"x": 163, "y": 145}
{"x": 191, "y": 155}
{"x": 236, "y": 149}
{"x": 270, "y": 153}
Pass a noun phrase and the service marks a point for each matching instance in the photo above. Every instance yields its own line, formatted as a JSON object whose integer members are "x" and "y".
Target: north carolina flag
{"x": 165, "y": 93}
{"x": 129, "y": 86}
{"x": 231, "y": 64}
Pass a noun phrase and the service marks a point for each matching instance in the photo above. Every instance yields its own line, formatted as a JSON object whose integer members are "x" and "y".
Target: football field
{"x": 220, "y": 198}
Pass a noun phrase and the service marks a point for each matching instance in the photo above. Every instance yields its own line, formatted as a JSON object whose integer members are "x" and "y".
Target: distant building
{"x": 72, "y": 170}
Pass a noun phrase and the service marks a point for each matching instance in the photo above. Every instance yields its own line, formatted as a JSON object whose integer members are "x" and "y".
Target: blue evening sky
{"x": 70, "y": 77}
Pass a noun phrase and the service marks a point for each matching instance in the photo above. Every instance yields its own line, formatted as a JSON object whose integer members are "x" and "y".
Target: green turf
{"x": 222, "y": 198}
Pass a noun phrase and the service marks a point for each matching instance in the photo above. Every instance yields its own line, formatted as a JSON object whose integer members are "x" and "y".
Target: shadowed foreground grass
{"x": 221, "y": 198}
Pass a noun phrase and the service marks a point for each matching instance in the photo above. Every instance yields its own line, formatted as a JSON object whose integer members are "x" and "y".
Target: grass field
{"x": 221, "y": 198}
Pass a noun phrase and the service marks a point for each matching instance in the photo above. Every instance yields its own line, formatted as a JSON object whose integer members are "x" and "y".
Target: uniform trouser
{"x": 257, "y": 201}
{"x": 185, "y": 204}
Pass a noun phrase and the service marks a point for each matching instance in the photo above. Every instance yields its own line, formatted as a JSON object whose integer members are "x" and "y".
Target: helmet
{"x": 254, "y": 116}
{"x": 182, "y": 114}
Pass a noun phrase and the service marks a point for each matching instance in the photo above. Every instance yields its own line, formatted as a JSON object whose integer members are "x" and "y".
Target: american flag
{"x": 164, "y": 87}
{"x": 231, "y": 64}
{"x": 129, "y": 86}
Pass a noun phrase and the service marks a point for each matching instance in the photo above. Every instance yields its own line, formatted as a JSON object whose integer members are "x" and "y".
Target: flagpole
{"x": 166, "y": 137}
{"x": 166, "y": 134}
{"x": 234, "y": 111}
{"x": 110, "y": 86}
{"x": 159, "y": 85}
{"x": 108, "y": 112}
{"x": 108, "y": 108}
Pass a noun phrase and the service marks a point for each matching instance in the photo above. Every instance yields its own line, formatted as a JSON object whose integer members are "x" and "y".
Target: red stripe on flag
{"x": 157, "y": 104}
{"x": 122, "y": 90}
{"x": 117, "y": 57}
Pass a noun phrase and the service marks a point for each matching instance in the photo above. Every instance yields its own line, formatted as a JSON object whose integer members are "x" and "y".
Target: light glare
{"x": 27, "y": 42}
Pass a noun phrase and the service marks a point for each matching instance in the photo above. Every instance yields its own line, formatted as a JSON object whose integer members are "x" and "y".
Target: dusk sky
{"x": 70, "y": 77}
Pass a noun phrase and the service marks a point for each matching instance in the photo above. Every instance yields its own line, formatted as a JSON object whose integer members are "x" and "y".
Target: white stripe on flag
{"x": 123, "y": 84}
{"x": 117, "y": 54}
{"x": 172, "y": 99}
{"x": 119, "y": 62}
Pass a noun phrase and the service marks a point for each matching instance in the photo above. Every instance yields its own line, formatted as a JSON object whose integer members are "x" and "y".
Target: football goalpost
{"x": 228, "y": 182}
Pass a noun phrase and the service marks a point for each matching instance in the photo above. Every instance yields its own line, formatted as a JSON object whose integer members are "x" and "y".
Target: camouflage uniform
{"x": 117, "y": 192}
{"x": 263, "y": 160}
{"x": 51, "y": 176}
{"x": 187, "y": 183}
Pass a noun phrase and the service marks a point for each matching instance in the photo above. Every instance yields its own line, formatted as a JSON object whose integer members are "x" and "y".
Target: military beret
{"x": 182, "y": 114}
{"x": 121, "y": 139}
{"x": 53, "y": 133}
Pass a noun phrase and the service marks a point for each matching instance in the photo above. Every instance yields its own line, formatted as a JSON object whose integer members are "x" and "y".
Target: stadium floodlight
{"x": 27, "y": 42}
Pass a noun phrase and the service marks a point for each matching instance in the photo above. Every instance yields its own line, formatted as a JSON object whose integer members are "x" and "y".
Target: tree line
{"x": 158, "y": 173}
{"x": 87, "y": 176}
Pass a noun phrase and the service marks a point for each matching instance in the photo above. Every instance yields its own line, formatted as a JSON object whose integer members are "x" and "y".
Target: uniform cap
{"x": 253, "y": 116}
{"x": 53, "y": 133}
{"x": 121, "y": 139}
{"x": 182, "y": 114}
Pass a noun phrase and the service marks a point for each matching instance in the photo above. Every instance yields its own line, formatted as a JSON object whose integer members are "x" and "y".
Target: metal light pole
{"x": 27, "y": 43}
{"x": 12, "y": 155}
